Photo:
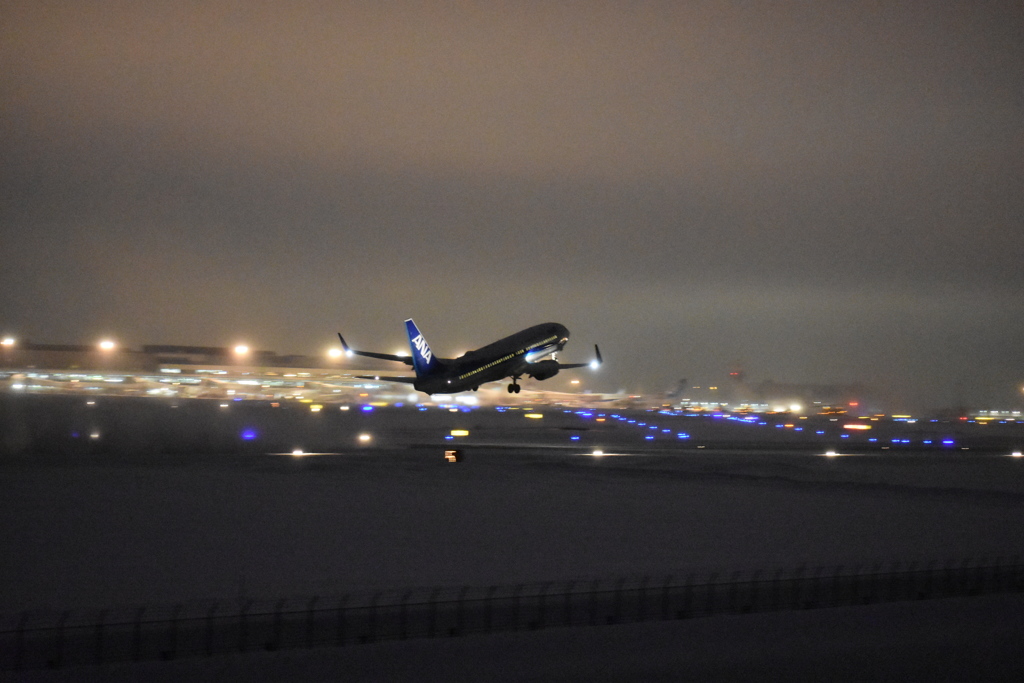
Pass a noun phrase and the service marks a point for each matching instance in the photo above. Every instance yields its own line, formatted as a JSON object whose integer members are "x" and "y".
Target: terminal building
{"x": 231, "y": 373}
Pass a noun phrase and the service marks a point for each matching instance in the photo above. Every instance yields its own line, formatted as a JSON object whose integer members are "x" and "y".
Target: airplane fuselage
{"x": 512, "y": 356}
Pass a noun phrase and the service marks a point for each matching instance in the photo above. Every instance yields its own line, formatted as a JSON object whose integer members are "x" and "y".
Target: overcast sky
{"x": 815, "y": 191}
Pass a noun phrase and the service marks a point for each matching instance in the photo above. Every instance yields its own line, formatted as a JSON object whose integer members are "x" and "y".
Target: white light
{"x": 795, "y": 408}
{"x": 830, "y": 453}
{"x": 334, "y": 353}
{"x": 241, "y": 349}
{"x": 8, "y": 341}
{"x": 107, "y": 345}
{"x": 1017, "y": 454}
{"x": 298, "y": 451}
{"x": 597, "y": 452}
{"x": 365, "y": 438}
{"x": 94, "y": 435}
{"x": 594, "y": 365}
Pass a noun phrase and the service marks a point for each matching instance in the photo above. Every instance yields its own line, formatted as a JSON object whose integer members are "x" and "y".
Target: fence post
{"x": 243, "y": 627}
{"x": 539, "y": 623}
{"x": 172, "y": 650}
{"x": 733, "y": 592}
{"x": 837, "y": 587}
{"x": 616, "y": 617}
{"x": 489, "y": 609}
{"x": 99, "y": 636}
{"x": 568, "y": 603}
{"x": 642, "y": 599}
{"x": 433, "y": 612}
{"x": 709, "y": 606}
{"x": 58, "y": 660}
{"x": 309, "y": 620}
{"x": 209, "y": 629}
{"x": 515, "y": 606}
{"x": 460, "y": 612}
{"x": 275, "y": 644}
{"x": 798, "y": 586}
{"x": 777, "y": 588}
{"x": 371, "y": 637}
{"x": 687, "y": 610}
{"x": 19, "y": 651}
{"x": 340, "y": 634}
{"x": 665, "y": 608}
{"x": 404, "y": 616}
{"x": 893, "y": 568}
{"x": 755, "y": 589}
{"x": 593, "y": 601}
{"x": 137, "y": 635}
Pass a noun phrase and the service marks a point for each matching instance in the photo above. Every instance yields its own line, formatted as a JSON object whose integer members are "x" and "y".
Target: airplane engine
{"x": 543, "y": 369}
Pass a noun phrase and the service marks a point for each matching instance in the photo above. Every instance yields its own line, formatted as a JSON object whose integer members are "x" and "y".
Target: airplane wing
{"x": 372, "y": 354}
{"x": 594, "y": 363}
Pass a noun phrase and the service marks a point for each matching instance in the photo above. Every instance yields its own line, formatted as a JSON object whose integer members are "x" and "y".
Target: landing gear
{"x": 514, "y": 387}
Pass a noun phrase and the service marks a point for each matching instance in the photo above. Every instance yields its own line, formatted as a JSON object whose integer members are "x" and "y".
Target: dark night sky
{"x": 817, "y": 191}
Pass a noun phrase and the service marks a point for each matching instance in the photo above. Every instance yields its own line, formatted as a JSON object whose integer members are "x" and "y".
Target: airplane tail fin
{"x": 423, "y": 359}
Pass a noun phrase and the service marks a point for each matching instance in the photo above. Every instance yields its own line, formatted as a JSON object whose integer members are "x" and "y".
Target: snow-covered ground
{"x": 142, "y": 529}
{"x": 144, "y": 525}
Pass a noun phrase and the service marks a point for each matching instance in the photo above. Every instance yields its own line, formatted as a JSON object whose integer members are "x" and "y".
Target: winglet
{"x": 344, "y": 346}
{"x": 596, "y": 363}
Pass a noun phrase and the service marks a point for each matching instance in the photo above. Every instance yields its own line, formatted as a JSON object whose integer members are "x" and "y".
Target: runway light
{"x": 298, "y": 452}
{"x": 597, "y": 451}
{"x": 316, "y": 408}
{"x": 1016, "y": 454}
{"x": 365, "y": 438}
{"x": 241, "y": 349}
{"x": 857, "y": 425}
{"x": 107, "y": 345}
{"x": 533, "y": 416}
{"x": 831, "y": 454}
{"x": 8, "y": 341}
{"x": 334, "y": 353}
{"x": 460, "y": 432}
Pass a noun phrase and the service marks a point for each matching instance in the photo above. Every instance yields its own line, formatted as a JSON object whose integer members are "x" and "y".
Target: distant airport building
{"x": 232, "y": 373}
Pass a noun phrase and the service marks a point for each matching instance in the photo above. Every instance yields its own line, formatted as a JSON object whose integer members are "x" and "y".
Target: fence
{"x": 32, "y": 640}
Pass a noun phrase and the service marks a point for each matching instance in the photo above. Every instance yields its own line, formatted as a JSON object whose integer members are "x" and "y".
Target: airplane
{"x": 514, "y": 356}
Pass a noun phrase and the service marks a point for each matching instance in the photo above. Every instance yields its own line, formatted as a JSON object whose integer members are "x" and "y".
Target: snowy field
{"x": 96, "y": 528}
{"x": 527, "y": 504}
